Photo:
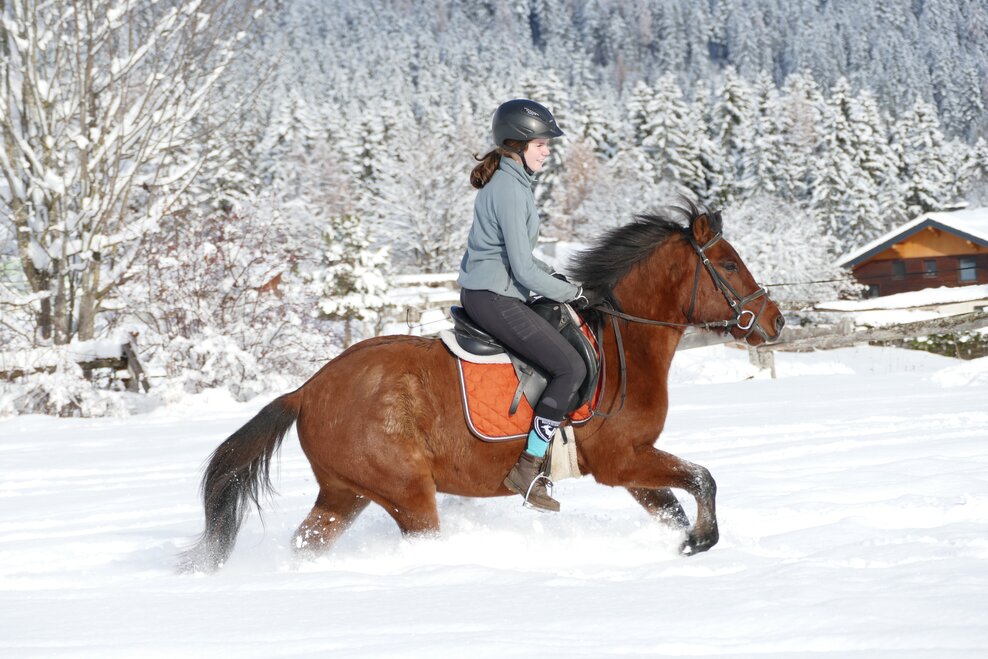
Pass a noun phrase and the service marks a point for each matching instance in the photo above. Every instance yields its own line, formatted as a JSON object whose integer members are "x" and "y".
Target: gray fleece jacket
{"x": 505, "y": 230}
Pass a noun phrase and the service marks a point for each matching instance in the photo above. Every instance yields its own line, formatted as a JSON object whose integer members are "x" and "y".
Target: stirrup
{"x": 549, "y": 485}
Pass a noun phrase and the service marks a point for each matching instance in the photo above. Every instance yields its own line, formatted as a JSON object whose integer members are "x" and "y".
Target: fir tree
{"x": 675, "y": 143}
{"x": 843, "y": 194}
{"x": 925, "y": 170}
{"x": 800, "y": 121}
{"x": 351, "y": 283}
{"x": 734, "y": 117}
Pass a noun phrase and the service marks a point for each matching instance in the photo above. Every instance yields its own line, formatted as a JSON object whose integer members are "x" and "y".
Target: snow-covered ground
{"x": 853, "y": 505}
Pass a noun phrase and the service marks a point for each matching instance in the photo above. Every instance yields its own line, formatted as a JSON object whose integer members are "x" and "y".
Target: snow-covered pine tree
{"x": 352, "y": 278}
{"x": 748, "y": 35}
{"x": 925, "y": 170}
{"x": 600, "y": 122}
{"x": 976, "y": 172}
{"x": 426, "y": 197}
{"x": 895, "y": 70}
{"x": 843, "y": 193}
{"x": 733, "y": 119}
{"x": 639, "y": 106}
{"x": 800, "y": 118}
{"x": 763, "y": 160}
{"x": 286, "y": 147}
{"x": 954, "y": 73}
{"x": 547, "y": 88}
{"x": 585, "y": 171}
{"x": 876, "y": 158}
{"x": 958, "y": 156}
{"x": 674, "y": 141}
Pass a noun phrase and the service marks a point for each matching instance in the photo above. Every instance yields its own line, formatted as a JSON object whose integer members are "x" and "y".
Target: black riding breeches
{"x": 528, "y": 335}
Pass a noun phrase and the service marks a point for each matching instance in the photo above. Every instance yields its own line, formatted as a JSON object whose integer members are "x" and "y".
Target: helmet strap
{"x": 521, "y": 154}
{"x": 524, "y": 163}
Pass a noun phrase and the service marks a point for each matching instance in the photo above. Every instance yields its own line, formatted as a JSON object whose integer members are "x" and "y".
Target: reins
{"x": 733, "y": 298}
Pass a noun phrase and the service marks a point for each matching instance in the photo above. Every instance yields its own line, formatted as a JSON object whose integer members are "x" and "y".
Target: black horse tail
{"x": 237, "y": 475}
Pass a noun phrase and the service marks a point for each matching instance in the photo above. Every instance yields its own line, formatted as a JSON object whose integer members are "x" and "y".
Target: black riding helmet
{"x": 523, "y": 120}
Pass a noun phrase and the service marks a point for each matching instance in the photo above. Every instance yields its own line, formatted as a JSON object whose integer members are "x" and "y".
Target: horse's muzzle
{"x": 780, "y": 323}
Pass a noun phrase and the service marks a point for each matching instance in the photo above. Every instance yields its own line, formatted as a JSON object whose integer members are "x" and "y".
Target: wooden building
{"x": 936, "y": 249}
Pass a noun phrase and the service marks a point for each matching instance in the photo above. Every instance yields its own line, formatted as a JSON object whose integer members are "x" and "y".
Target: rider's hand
{"x": 587, "y": 298}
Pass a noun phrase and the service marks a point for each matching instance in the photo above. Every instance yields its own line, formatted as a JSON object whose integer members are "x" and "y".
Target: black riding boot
{"x": 526, "y": 478}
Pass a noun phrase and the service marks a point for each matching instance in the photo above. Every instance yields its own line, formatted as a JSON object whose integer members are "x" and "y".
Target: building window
{"x": 930, "y": 268}
{"x": 873, "y": 291}
{"x": 969, "y": 270}
{"x": 898, "y": 269}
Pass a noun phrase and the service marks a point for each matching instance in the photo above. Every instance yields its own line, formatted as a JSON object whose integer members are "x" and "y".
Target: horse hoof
{"x": 696, "y": 544}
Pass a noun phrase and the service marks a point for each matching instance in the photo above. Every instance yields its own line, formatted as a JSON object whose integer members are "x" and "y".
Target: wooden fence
{"x": 845, "y": 334}
{"x": 124, "y": 364}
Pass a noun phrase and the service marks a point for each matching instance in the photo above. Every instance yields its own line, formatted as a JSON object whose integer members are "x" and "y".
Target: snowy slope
{"x": 853, "y": 505}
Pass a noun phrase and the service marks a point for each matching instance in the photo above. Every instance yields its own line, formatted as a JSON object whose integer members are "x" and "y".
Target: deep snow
{"x": 853, "y": 502}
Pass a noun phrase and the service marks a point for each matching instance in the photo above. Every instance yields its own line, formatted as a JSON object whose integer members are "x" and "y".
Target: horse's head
{"x": 724, "y": 289}
{"x": 664, "y": 273}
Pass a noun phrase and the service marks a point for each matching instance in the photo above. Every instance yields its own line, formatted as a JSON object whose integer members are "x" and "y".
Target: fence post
{"x": 763, "y": 359}
{"x": 137, "y": 377}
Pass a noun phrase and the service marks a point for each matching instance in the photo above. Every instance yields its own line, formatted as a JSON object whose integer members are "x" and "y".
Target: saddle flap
{"x": 570, "y": 325}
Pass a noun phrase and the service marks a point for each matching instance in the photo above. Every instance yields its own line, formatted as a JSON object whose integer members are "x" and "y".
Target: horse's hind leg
{"x": 337, "y": 506}
{"x": 663, "y": 505}
{"x": 414, "y": 508}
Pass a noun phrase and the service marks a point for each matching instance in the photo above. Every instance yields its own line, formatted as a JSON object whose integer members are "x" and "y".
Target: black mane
{"x": 610, "y": 258}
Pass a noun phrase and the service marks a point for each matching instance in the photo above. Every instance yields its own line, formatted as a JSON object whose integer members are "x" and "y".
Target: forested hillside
{"x": 254, "y": 171}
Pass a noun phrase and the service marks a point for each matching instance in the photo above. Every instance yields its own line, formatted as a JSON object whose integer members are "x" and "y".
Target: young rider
{"x": 499, "y": 273}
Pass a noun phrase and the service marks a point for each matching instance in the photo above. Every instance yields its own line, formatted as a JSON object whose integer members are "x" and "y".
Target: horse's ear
{"x": 706, "y": 226}
{"x": 703, "y": 232}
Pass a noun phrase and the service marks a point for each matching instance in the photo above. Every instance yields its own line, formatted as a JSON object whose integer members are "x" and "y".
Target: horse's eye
{"x": 730, "y": 266}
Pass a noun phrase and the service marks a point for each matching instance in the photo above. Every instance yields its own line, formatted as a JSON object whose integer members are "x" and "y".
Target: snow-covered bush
{"x": 211, "y": 361}
{"x": 64, "y": 391}
{"x": 962, "y": 345}
{"x": 227, "y": 274}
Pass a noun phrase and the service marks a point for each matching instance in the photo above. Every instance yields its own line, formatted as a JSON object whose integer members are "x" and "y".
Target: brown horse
{"x": 383, "y": 421}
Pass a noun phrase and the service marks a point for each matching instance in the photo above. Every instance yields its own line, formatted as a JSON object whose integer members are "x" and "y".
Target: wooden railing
{"x": 124, "y": 363}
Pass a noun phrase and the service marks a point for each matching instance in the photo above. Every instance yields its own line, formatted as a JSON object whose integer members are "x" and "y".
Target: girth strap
{"x": 622, "y": 365}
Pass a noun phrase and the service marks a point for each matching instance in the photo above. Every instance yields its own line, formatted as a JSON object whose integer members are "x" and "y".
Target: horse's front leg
{"x": 647, "y": 473}
{"x": 663, "y": 505}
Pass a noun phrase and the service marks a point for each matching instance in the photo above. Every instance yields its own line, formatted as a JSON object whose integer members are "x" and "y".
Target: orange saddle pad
{"x": 487, "y": 391}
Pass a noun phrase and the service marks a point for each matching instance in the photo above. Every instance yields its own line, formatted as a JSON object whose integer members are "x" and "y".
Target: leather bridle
{"x": 733, "y": 298}
{"x": 743, "y": 319}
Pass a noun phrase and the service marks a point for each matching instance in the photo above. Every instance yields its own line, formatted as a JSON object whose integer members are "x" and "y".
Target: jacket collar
{"x": 516, "y": 171}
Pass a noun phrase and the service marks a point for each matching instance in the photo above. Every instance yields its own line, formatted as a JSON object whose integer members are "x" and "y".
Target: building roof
{"x": 969, "y": 223}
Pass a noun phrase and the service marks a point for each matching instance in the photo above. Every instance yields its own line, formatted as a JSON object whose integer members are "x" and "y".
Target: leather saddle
{"x": 532, "y": 380}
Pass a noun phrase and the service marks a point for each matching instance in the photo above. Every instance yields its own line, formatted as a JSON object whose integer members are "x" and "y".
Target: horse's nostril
{"x": 780, "y": 322}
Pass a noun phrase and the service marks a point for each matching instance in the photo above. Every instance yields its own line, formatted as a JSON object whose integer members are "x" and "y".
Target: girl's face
{"x": 536, "y": 152}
